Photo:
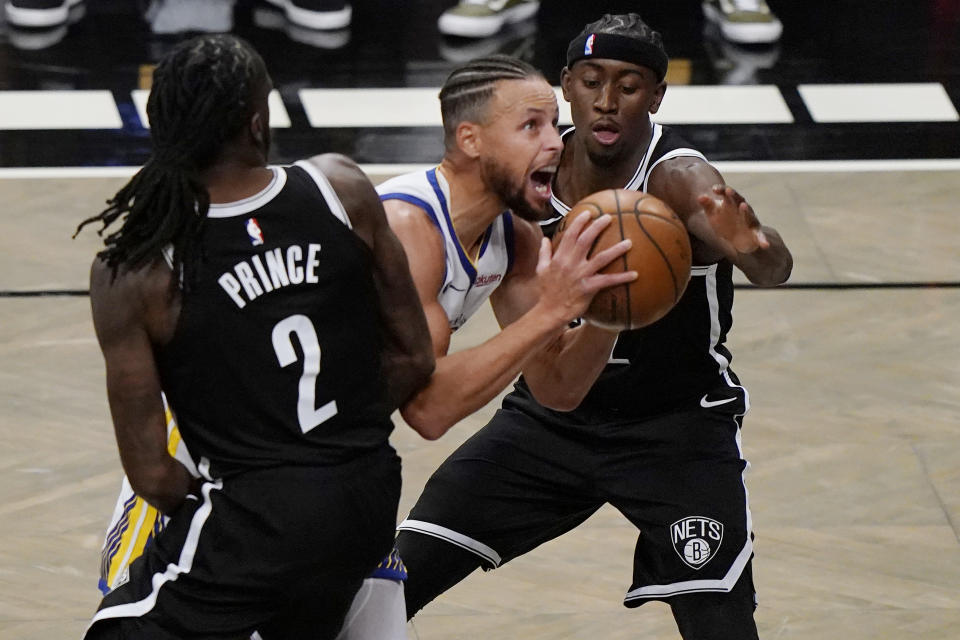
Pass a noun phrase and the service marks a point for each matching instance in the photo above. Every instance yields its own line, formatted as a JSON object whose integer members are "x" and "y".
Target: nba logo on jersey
{"x": 696, "y": 539}
{"x": 254, "y": 231}
{"x": 588, "y": 47}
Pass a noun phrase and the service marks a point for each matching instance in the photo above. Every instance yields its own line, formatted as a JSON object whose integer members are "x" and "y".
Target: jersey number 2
{"x": 308, "y": 414}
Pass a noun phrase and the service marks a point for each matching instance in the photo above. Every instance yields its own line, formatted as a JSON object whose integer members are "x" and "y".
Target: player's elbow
{"x": 424, "y": 421}
{"x": 556, "y": 397}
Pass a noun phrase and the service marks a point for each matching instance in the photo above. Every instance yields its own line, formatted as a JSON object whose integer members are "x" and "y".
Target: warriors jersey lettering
{"x": 466, "y": 285}
{"x": 681, "y": 356}
{"x": 281, "y": 270}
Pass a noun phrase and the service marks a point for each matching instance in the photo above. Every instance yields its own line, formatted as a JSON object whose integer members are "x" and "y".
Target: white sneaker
{"x": 744, "y": 21}
{"x": 483, "y": 18}
{"x": 317, "y": 14}
{"x": 38, "y": 14}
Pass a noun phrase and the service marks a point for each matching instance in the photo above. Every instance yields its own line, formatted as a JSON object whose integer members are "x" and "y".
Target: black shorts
{"x": 678, "y": 477}
{"x": 279, "y": 551}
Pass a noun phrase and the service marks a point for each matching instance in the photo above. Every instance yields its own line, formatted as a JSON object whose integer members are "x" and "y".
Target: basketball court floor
{"x": 844, "y": 136}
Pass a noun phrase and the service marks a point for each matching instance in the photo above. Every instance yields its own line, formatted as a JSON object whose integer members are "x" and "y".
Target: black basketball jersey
{"x": 276, "y": 355}
{"x": 680, "y": 356}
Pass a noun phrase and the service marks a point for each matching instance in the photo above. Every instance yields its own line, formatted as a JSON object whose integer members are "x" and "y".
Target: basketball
{"x": 660, "y": 255}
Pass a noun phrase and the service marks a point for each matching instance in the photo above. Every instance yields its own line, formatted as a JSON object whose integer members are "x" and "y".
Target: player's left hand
{"x": 733, "y": 220}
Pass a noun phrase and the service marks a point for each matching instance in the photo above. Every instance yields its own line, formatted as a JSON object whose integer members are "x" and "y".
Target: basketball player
{"x": 274, "y": 307}
{"x": 654, "y": 430}
{"x": 469, "y": 230}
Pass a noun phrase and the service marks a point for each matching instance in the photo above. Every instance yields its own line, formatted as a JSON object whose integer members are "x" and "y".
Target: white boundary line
{"x": 798, "y": 166}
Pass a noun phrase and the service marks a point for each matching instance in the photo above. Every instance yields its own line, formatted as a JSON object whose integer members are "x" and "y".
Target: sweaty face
{"x": 520, "y": 146}
{"x": 611, "y": 102}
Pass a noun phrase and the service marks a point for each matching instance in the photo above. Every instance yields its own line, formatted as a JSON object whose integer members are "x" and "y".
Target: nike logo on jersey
{"x": 706, "y": 404}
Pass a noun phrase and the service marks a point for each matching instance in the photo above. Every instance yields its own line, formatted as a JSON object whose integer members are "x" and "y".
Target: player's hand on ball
{"x": 568, "y": 275}
{"x": 733, "y": 220}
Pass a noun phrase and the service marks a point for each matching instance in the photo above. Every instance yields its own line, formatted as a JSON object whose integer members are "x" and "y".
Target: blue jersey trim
{"x": 508, "y": 238}
{"x": 427, "y": 208}
{"x": 464, "y": 260}
{"x": 486, "y": 241}
{"x": 414, "y": 200}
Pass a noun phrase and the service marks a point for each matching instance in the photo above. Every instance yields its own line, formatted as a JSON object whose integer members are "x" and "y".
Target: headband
{"x": 617, "y": 47}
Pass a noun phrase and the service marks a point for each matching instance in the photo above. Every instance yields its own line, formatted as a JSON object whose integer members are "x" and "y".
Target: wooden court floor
{"x": 854, "y": 435}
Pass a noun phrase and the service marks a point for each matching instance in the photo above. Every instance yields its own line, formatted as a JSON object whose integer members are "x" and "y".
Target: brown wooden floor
{"x": 854, "y": 435}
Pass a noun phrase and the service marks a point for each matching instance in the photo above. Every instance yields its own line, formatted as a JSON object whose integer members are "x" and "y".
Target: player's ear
{"x": 566, "y": 78}
{"x": 468, "y": 139}
{"x": 256, "y": 127}
{"x": 658, "y": 96}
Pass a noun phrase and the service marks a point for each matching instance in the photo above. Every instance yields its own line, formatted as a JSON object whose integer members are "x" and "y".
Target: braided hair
{"x": 203, "y": 95}
{"x": 468, "y": 89}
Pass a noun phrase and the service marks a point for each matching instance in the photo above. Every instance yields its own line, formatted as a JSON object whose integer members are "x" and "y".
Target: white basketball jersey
{"x": 466, "y": 284}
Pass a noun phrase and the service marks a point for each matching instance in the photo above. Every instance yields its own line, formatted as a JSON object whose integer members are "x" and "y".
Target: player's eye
{"x": 530, "y": 125}
{"x": 628, "y": 89}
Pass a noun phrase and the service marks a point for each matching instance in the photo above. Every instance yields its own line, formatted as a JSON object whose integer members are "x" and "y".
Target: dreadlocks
{"x": 202, "y": 96}
{"x": 464, "y": 96}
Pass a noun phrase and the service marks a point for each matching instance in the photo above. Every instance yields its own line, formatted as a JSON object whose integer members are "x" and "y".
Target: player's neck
{"x": 233, "y": 180}
{"x": 473, "y": 207}
{"x": 578, "y": 175}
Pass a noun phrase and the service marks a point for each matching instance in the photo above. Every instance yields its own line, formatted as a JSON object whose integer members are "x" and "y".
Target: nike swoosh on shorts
{"x": 706, "y": 404}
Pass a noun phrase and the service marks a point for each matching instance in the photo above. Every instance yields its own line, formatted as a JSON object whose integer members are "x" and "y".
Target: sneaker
{"x": 33, "y": 39}
{"x": 744, "y": 21}
{"x": 267, "y": 18}
{"x": 38, "y": 13}
{"x": 168, "y": 17}
{"x": 738, "y": 64}
{"x": 316, "y": 14}
{"x": 483, "y": 18}
{"x": 516, "y": 40}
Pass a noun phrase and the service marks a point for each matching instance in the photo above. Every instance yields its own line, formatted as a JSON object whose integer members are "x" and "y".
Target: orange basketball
{"x": 660, "y": 255}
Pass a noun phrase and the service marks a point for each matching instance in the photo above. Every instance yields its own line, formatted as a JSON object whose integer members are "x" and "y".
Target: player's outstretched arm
{"x": 408, "y": 356}
{"x": 721, "y": 221}
{"x": 126, "y": 317}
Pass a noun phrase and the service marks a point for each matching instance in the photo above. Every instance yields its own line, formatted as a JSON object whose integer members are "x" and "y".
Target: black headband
{"x": 617, "y": 47}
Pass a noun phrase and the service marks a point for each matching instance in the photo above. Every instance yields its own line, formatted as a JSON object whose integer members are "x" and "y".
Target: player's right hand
{"x": 568, "y": 275}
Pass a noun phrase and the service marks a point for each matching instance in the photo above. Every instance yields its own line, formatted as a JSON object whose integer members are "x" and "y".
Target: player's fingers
{"x": 762, "y": 239}
{"x": 574, "y": 230}
{"x": 608, "y": 255}
{"x": 597, "y": 282}
{"x": 707, "y": 202}
{"x": 733, "y": 194}
{"x": 544, "y": 256}
{"x": 585, "y": 239}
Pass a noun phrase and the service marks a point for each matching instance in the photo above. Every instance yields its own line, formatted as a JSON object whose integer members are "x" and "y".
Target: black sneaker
{"x": 38, "y": 13}
{"x": 316, "y": 14}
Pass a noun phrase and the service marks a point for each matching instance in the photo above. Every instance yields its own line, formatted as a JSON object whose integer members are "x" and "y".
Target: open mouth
{"x": 541, "y": 180}
{"x": 606, "y": 133}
